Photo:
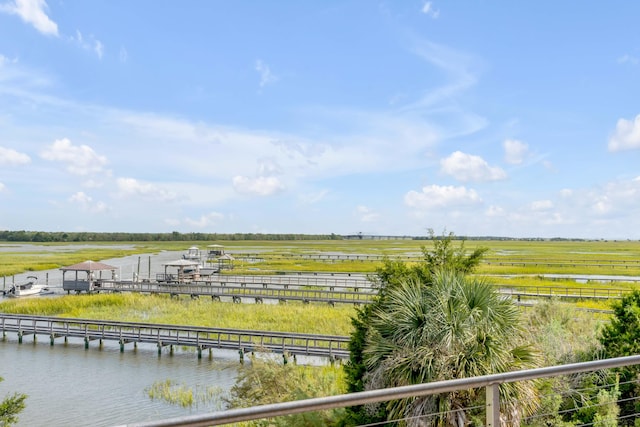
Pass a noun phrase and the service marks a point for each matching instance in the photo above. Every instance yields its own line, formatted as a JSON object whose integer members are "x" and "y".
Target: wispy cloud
{"x": 515, "y": 151}
{"x": 207, "y": 220}
{"x": 131, "y": 188}
{"x": 87, "y": 203}
{"x": 266, "y": 76}
{"x": 32, "y": 12}
{"x": 628, "y": 59}
{"x": 429, "y": 10}
{"x": 91, "y": 43}
{"x": 459, "y": 68}
{"x": 259, "y": 186}
{"x": 366, "y": 214}
{"x": 9, "y": 156}
{"x": 436, "y": 196}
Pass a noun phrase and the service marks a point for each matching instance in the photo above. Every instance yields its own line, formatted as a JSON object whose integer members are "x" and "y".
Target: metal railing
{"x": 491, "y": 383}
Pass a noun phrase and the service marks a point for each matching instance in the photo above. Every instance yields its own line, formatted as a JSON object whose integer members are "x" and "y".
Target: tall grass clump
{"x": 181, "y": 394}
{"x": 266, "y": 380}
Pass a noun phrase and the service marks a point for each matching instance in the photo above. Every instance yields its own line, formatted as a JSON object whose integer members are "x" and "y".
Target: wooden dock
{"x": 200, "y": 338}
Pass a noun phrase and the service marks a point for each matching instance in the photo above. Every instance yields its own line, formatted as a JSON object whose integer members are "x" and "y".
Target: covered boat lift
{"x": 88, "y": 276}
{"x": 187, "y": 271}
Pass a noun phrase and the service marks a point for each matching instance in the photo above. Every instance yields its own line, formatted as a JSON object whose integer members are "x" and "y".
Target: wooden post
{"x": 199, "y": 352}
{"x": 86, "y": 343}
{"x": 52, "y": 338}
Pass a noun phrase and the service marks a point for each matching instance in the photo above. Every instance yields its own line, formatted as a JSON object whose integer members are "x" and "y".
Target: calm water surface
{"x": 70, "y": 386}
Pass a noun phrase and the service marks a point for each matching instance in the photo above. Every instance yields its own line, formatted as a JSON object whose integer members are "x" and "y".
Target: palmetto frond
{"x": 456, "y": 327}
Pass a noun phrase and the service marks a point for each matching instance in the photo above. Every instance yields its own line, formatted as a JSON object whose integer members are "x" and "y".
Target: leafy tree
{"x": 621, "y": 337}
{"x": 445, "y": 255}
{"x": 391, "y": 275}
{"x": 456, "y": 328}
{"x": 10, "y": 407}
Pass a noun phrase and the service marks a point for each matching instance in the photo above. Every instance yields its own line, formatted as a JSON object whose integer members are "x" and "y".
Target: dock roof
{"x": 89, "y": 266}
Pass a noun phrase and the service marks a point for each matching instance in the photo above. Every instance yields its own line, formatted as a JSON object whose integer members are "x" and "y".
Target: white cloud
{"x": 4, "y": 60}
{"x": 32, "y": 12}
{"x": 602, "y": 206}
{"x": 514, "y": 151}
{"x": 366, "y": 214}
{"x": 266, "y": 76}
{"x": 260, "y": 186}
{"x": 541, "y": 205}
{"x": 495, "y": 211}
{"x": 2, "y": 187}
{"x": 9, "y": 156}
{"x": 429, "y": 10}
{"x": 98, "y": 47}
{"x": 466, "y": 167}
{"x": 436, "y": 196}
{"x": 626, "y": 135}
{"x": 123, "y": 55}
{"x": 87, "y": 204}
{"x": 212, "y": 218}
{"x": 132, "y": 188}
{"x": 80, "y": 160}
{"x": 566, "y": 192}
{"x": 92, "y": 44}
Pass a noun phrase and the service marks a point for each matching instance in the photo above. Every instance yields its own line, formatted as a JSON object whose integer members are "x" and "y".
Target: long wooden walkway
{"x": 258, "y": 289}
{"x": 200, "y": 338}
{"x": 242, "y": 290}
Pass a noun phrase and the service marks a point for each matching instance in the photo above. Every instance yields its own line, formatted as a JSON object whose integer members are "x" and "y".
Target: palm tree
{"x": 458, "y": 327}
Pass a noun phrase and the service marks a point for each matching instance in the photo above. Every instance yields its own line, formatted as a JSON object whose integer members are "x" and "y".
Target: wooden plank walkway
{"x": 200, "y": 338}
{"x": 242, "y": 290}
{"x": 257, "y": 291}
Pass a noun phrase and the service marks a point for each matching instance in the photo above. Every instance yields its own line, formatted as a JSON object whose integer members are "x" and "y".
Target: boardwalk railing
{"x": 331, "y": 346}
{"x": 241, "y": 290}
{"x": 260, "y": 291}
{"x": 416, "y": 257}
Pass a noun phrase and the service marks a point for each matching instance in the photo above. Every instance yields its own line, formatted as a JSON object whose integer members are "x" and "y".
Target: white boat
{"x": 28, "y": 287}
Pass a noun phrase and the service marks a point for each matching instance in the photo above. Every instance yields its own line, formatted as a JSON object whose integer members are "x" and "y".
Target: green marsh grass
{"x": 176, "y": 393}
{"x": 289, "y": 317}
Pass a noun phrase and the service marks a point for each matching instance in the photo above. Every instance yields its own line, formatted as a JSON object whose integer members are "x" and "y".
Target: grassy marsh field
{"x": 512, "y": 264}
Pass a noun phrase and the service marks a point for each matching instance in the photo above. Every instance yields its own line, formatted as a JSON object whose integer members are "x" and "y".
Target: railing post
{"x": 493, "y": 405}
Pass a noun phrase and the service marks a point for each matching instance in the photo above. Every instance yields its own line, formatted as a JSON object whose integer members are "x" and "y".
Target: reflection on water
{"x": 70, "y": 386}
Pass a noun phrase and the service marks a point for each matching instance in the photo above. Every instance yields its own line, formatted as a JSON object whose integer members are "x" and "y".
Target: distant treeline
{"x": 44, "y": 236}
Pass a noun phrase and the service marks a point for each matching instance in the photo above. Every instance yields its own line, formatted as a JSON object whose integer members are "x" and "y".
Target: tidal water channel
{"x": 68, "y": 385}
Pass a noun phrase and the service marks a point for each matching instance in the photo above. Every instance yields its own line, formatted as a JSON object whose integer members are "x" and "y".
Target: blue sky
{"x": 496, "y": 118}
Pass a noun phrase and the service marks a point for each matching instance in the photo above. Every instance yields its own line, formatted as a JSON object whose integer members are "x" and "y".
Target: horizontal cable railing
{"x": 491, "y": 383}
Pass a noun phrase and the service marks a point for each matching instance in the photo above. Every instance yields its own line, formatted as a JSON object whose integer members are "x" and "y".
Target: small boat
{"x": 28, "y": 287}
